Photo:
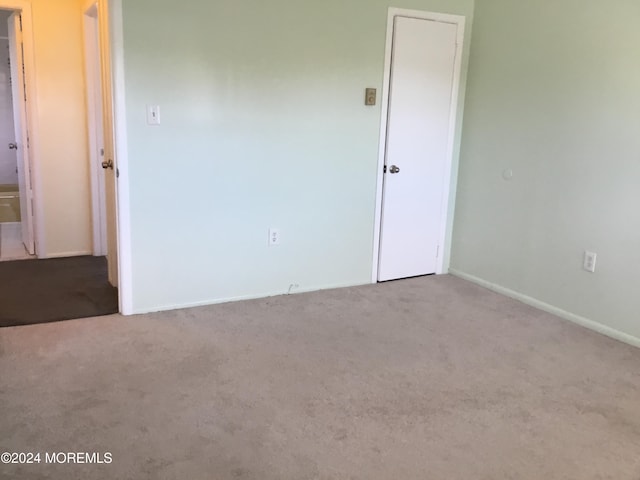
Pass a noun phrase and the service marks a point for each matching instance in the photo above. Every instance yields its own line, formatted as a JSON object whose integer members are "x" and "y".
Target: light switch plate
{"x": 370, "y": 96}
{"x": 153, "y": 114}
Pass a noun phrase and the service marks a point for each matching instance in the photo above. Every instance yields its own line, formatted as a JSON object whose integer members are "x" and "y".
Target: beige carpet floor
{"x": 431, "y": 379}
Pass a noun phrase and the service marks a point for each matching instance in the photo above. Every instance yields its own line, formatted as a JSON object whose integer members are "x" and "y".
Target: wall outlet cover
{"x": 370, "y": 96}
{"x": 274, "y": 237}
{"x": 590, "y": 259}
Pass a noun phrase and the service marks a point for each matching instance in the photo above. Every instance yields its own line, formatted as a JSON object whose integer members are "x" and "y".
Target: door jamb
{"x": 95, "y": 117}
{"x": 24, "y": 7}
{"x": 110, "y": 12}
{"x": 116, "y": 50}
{"x": 459, "y": 21}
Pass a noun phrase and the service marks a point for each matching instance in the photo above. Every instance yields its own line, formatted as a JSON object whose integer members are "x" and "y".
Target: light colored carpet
{"x": 430, "y": 378}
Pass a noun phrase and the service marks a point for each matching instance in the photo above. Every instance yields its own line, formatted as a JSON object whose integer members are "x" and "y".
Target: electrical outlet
{"x": 370, "y": 96}
{"x": 274, "y": 237}
{"x": 590, "y": 261}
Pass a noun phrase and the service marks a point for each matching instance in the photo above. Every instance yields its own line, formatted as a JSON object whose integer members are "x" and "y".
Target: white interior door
{"x": 108, "y": 160}
{"x": 417, "y": 148}
{"x": 16, "y": 54}
{"x": 95, "y": 118}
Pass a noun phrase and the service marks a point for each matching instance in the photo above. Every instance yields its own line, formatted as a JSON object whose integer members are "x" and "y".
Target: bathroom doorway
{"x": 16, "y": 195}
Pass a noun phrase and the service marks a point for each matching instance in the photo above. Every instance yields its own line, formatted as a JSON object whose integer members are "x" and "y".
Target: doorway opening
{"x": 16, "y": 193}
{"x": 100, "y": 121}
{"x": 95, "y": 119}
{"x": 55, "y": 286}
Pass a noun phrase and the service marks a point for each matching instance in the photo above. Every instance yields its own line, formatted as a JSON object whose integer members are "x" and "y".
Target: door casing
{"x": 459, "y": 21}
{"x": 23, "y": 7}
{"x": 116, "y": 78}
{"x": 97, "y": 24}
{"x": 95, "y": 119}
{"x": 21, "y": 130}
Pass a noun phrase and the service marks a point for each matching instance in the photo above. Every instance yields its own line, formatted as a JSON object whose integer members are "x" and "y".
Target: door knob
{"x": 394, "y": 169}
{"x": 13, "y": 146}
{"x": 107, "y": 164}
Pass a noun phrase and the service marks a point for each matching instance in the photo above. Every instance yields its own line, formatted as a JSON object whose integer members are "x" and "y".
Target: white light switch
{"x": 153, "y": 114}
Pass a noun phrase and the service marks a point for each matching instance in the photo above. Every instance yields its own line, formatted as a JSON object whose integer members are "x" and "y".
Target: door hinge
{"x": 102, "y": 152}
{"x": 384, "y": 170}
{"x": 438, "y": 252}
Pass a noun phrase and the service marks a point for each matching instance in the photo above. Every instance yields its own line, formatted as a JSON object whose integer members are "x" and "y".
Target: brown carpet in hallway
{"x": 430, "y": 379}
{"x": 40, "y": 291}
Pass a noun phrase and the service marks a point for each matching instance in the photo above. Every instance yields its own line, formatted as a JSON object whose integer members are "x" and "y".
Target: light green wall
{"x": 554, "y": 94}
{"x": 263, "y": 124}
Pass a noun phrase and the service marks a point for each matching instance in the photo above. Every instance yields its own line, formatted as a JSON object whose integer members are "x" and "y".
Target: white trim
{"x": 459, "y": 21}
{"x": 572, "y": 317}
{"x": 206, "y": 303}
{"x": 77, "y": 253}
{"x": 125, "y": 271}
{"x": 95, "y": 128}
{"x": 24, "y": 7}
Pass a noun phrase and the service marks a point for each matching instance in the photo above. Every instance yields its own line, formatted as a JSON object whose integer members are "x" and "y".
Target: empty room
{"x": 358, "y": 239}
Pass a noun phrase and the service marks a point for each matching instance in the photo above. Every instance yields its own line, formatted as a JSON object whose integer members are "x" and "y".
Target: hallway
{"x": 43, "y": 291}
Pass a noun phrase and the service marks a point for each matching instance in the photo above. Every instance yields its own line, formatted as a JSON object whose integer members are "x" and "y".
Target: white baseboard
{"x": 572, "y": 317}
{"x": 82, "y": 253}
{"x": 292, "y": 290}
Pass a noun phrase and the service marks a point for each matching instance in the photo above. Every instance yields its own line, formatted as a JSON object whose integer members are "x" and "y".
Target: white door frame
{"x": 24, "y": 8}
{"x": 459, "y": 21}
{"x": 116, "y": 50}
{"x": 95, "y": 120}
{"x": 112, "y": 39}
